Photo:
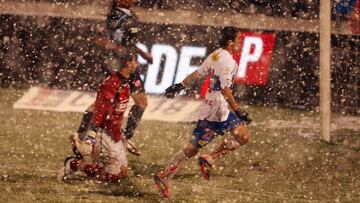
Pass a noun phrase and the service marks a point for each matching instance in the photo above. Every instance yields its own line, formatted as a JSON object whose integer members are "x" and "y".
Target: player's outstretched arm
{"x": 227, "y": 93}
{"x": 146, "y": 55}
{"x": 190, "y": 78}
{"x": 109, "y": 44}
{"x": 175, "y": 89}
{"x": 243, "y": 115}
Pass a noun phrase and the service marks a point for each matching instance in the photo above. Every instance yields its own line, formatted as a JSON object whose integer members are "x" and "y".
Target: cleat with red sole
{"x": 69, "y": 168}
{"x": 162, "y": 186}
{"x": 205, "y": 166}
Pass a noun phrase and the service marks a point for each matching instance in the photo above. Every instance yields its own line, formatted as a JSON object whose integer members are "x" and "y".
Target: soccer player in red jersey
{"x": 103, "y": 147}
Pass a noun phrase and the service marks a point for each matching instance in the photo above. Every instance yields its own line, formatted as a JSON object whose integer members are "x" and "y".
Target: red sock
{"x": 225, "y": 147}
{"x": 174, "y": 165}
{"x": 74, "y": 165}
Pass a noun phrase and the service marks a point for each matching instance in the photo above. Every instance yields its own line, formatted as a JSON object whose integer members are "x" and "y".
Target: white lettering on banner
{"x": 185, "y": 67}
{"x": 162, "y": 109}
{"x": 143, "y": 47}
{"x": 247, "y": 55}
{"x": 157, "y": 51}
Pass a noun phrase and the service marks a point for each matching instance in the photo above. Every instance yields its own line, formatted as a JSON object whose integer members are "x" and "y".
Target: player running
{"x": 121, "y": 35}
{"x": 215, "y": 117}
{"x": 103, "y": 146}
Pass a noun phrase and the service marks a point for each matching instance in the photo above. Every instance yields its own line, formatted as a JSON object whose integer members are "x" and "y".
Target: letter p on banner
{"x": 254, "y": 58}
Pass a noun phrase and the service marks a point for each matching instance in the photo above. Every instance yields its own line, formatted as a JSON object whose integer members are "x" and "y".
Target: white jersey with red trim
{"x": 221, "y": 68}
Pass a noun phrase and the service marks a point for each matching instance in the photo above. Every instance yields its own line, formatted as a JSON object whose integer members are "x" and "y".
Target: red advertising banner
{"x": 254, "y": 58}
{"x": 355, "y": 19}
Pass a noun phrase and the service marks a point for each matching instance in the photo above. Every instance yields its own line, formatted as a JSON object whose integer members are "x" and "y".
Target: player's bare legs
{"x": 239, "y": 136}
{"x": 135, "y": 114}
{"x": 163, "y": 179}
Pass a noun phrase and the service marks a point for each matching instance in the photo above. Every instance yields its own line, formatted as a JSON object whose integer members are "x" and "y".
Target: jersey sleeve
{"x": 226, "y": 73}
{"x": 204, "y": 68}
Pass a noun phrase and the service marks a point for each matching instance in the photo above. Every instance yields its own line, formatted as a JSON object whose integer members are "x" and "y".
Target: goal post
{"x": 325, "y": 70}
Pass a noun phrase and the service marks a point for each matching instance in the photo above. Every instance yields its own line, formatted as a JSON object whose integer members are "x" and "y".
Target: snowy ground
{"x": 284, "y": 161}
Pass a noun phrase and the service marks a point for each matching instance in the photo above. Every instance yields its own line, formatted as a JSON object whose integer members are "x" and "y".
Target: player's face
{"x": 237, "y": 42}
{"x": 132, "y": 65}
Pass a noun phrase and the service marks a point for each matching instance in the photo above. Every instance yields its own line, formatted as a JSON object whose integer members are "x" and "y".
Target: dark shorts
{"x": 206, "y": 131}
{"x": 136, "y": 83}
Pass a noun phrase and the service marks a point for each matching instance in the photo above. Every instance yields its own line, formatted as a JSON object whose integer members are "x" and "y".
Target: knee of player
{"x": 192, "y": 153}
{"x": 190, "y": 150}
{"x": 124, "y": 172}
{"x": 142, "y": 103}
{"x": 245, "y": 138}
{"x": 91, "y": 108}
{"x": 241, "y": 135}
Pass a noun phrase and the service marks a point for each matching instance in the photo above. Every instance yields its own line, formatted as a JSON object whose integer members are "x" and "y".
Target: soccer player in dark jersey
{"x": 103, "y": 146}
{"x": 121, "y": 35}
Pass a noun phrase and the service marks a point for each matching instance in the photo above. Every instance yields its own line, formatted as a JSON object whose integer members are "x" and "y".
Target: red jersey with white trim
{"x": 110, "y": 105}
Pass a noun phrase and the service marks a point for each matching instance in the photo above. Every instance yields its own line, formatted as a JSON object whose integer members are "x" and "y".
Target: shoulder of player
{"x": 226, "y": 59}
{"x": 220, "y": 55}
{"x": 112, "y": 83}
{"x": 225, "y": 55}
{"x": 111, "y": 80}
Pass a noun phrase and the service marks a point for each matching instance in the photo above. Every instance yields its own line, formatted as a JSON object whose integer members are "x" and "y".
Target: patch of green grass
{"x": 277, "y": 165}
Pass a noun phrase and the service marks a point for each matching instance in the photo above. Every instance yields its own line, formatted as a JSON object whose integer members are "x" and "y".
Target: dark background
{"x": 61, "y": 53}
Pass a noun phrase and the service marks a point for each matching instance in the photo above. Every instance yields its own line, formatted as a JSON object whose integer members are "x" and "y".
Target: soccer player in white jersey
{"x": 215, "y": 116}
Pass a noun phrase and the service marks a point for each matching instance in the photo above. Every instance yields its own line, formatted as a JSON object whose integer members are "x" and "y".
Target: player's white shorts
{"x": 110, "y": 155}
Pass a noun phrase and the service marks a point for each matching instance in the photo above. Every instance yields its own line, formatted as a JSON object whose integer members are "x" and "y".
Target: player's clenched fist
{"x": 243, "y": 115}
{"x": 173, "y": 90}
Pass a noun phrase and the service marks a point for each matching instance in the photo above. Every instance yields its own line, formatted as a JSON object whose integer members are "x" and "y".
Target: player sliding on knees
{"x": 215, "y": 116}
{"x": 103, "y": 146}
{"x": 120, "y": 35}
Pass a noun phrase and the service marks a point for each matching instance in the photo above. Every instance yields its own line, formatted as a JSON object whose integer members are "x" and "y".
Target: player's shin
{"x": 162, "y": 180}
{"x": 225, "y": 147}
{"x": 174, "y": 165}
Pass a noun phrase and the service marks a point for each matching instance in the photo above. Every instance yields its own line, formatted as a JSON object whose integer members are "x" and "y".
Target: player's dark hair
{"x": 227, "y": 34}
{"x": 125, "y": 57}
